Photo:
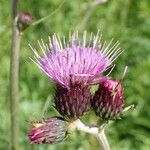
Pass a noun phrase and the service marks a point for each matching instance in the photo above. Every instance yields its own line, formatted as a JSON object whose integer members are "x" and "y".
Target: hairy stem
{"x": 101, "y": 137}
{"x": 46, "y": 17}
{"x": 14, "y": 70}
{"x": 97, "y": 132}
{"x": 89, "y": 13}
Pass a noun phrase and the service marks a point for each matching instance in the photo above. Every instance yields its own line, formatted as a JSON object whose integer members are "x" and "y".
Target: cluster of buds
{"x": 75, "y": 67}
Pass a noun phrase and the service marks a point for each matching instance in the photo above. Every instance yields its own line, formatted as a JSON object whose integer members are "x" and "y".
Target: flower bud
{"x": 49, "y": 131}
{"x": 24, "y": 20}
{"x": 108, "y": 100}
{"x": 73, "y": 102}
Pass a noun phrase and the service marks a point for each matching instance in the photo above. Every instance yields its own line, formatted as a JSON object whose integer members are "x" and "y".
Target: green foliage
{"x": 127, "y": 21}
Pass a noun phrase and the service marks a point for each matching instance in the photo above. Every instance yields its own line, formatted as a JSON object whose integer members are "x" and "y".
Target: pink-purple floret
{"x": 76, "y": 62}
{"x": 84, "y": 64}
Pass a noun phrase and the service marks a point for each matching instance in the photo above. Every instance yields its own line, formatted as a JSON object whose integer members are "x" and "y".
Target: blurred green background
{"x": 125, "y": 20}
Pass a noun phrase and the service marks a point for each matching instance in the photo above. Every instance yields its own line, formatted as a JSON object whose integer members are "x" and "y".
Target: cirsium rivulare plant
{"x": 75, "y": 66}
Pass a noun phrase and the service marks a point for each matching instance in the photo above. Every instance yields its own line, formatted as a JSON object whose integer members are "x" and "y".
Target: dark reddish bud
{"x": 49, "y": 131}
{"x": 108, "y": 100}
{"x": 24, "y": 20}
{"x": 73, "y": 102}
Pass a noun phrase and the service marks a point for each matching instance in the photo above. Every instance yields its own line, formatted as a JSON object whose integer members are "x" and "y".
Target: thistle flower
{"x": 49, "y": 131}
{"x": 75, "y": 66}
{"x": 108, "y": 100}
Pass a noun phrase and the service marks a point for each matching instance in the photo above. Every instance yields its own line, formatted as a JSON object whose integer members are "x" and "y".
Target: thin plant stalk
{"x": 101, "y": 137}
{"x": 89, "y": 13}
{"x": 51, "y": 14}
{"x": 98, "y": 132}
{"x": 14, "y": 79}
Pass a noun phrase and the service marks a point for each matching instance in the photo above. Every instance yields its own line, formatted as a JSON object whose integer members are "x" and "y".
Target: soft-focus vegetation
{"x": 127, "y": 21}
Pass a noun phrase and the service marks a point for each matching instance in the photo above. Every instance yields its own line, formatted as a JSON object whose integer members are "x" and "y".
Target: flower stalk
{"x": 101, "y": 137}
{"x": 14, "y": 81}
{"x": 98, "y": 132}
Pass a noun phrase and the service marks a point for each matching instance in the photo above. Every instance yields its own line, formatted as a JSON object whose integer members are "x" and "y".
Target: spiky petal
{"x": 49, "y": 131}
{"x": 108, "y": 100}
{"x": 85, "y": 60}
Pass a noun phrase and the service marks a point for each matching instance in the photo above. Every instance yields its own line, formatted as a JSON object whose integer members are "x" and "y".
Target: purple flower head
{"x": 78, "y": 61}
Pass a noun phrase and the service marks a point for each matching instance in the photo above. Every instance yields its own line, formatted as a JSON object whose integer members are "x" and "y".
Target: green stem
{"x": 46, "y": 17}
{"x": 89, "y": 13}
{"x": 14, "y": 81}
